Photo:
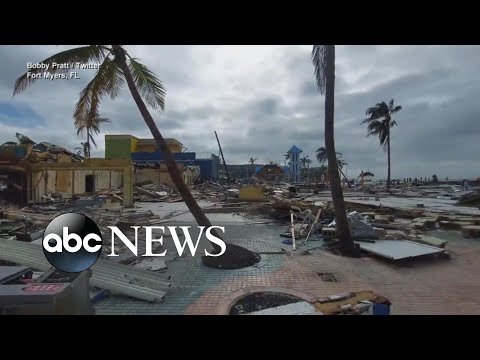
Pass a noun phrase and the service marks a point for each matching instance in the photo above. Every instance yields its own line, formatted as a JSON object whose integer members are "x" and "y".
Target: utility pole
{"x": 223, "y": 159}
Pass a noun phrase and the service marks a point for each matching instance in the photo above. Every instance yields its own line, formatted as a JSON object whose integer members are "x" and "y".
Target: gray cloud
{"x": 263, "y": 99}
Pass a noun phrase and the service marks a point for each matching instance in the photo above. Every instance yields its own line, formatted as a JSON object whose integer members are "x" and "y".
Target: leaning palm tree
{"x": 323, "y": 58}
{"x": 322, "y": 159}
{"x": 90, "y": 125}
{"x": 117, "y": 66}
{"x": 380, "y": 123}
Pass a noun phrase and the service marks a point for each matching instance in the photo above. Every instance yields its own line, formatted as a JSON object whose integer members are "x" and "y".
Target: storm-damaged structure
{"x": 33, "y": 172}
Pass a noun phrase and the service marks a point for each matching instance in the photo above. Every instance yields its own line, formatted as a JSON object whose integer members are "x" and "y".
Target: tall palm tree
{"x": 303, "y": 164}
{"x": 90, "y": 125}
{"x": 252, "y": 161}
{"x": 303, "y": 161}
{"x": 307, "y": 163}
{"x": 380, "y": 123}
{"x": 116, "y": 67}
{"x": 323, "y": 58}
{"x": 322, "y": 159}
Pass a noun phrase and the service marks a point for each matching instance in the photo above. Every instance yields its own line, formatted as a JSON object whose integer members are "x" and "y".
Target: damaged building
{"x": 149, "y": 162}
{"x": 33, "y": 173}
{"x": 271, "y": 172}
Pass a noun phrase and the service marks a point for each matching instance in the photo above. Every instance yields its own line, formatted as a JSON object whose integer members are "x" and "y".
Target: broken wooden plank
{"x": 146, "y": 192}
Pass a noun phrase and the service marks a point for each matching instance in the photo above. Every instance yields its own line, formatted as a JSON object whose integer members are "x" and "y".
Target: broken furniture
{"x": 53, "y": 293}
{"x": 123, "y": 279}
{"x": 354, "y": 303}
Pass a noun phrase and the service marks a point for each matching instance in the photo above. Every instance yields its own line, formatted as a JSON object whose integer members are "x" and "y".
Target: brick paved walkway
{"x": 432, "y": 286}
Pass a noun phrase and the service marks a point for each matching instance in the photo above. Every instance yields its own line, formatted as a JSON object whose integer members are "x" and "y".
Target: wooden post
{"x": 127, "y": 187}
{"x": 293, "y": 230}
{"x": 73, "y": 183}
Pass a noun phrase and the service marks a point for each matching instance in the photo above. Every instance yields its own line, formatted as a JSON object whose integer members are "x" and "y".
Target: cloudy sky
{"x": 261, "y": 100}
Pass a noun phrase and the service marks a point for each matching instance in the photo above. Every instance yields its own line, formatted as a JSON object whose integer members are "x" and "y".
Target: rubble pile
{"x": 470, "y": 199}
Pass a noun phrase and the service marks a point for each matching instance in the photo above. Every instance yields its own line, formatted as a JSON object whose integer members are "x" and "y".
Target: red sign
{"x": 43, "y": 288}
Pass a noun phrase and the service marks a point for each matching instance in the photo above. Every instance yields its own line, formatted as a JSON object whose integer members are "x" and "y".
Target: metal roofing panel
{"x": 398, "y": 249}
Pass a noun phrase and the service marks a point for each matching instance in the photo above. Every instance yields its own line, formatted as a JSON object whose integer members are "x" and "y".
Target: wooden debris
{"x": 471, "y": 231}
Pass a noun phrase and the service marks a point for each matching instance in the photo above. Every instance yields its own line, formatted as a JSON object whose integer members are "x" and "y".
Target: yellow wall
{"x": 251, "y": 193}
{"x": 161, "y": 175}
{"x": 145, "y": 147}
{"x": 174, "y": 147}
{"x": 151, "y": 146}
{"x": 116, "y": 144}
{"x": 133, "y": 143}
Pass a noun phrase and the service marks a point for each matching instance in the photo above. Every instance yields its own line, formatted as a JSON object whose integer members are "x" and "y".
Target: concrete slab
{"x": 178, "y": 213}
{"x": 398, "y": 249}
{"x": 433, "y": 205}
{"x": 430, "y": 240}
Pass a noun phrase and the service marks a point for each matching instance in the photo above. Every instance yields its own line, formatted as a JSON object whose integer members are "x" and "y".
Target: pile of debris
{"x": 470, "y": 199}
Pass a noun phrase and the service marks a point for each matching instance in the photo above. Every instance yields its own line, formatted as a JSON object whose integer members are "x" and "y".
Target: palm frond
{"x": 396, "y": 109}
{"x": 92, "y": 140}
{"x": 374, "y": 127}
{"x": 149, "y": 86}
{"x": 372, "y": 110}
{"x": 83, "y": 54}
{"x": 95, "y": 124}
{"x": 383, "y": 137}
{"x": 80, "y": 128}
{"x": 319, "y": 63}
{"x": 390, "y": 104}
{"x": 321, "y": 155}
{"x": 105, "y": 82}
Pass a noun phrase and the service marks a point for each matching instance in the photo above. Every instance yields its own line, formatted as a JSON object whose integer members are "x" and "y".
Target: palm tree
{"x": 380, "y": 122}
{"x": 303, "y": 164}
{"x": 115, "y": 67}
{"x": 252, "y": 161}
{"x": 308, "y": 162}
{"x": 91, "y": 125}
{"x": 323, "y": 58}
{"x": 322, "y": 159}
{"x": 303, "y": 161}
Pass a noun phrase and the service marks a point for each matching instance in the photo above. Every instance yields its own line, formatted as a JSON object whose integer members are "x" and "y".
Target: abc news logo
{"x": 73, "y": 242}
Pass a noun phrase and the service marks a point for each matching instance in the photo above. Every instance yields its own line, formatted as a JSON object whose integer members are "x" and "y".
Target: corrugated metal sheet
{"x": 398, "y": 249}
{"x": 123, "y": 279}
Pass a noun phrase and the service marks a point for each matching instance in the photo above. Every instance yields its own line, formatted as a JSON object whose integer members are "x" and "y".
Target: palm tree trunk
{"x": 343, "y": 230}
{"x": 388, "y": 155}
{"x": 341, "y": 172}
{"x": 173, "y": 170}
{"x": 87, "y": 152}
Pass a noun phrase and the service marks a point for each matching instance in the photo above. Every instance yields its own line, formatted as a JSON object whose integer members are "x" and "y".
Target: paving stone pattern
{"x": 429, "y": 286}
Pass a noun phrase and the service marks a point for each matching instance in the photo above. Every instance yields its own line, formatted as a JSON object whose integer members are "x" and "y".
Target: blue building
{"x": 294, "y": 163}
{"x": 208, "y": 166}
